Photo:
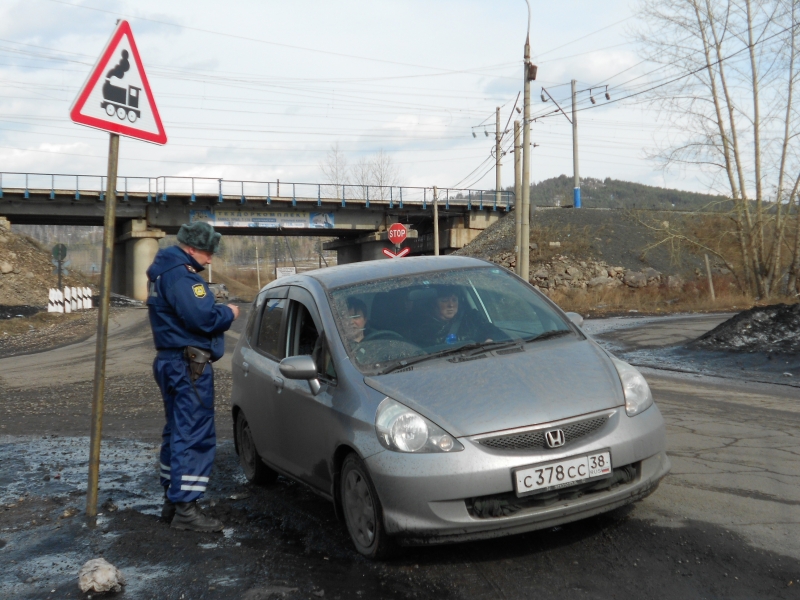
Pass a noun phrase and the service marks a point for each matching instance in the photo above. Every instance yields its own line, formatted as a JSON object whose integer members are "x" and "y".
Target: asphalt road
{"x": 724, "y": 524}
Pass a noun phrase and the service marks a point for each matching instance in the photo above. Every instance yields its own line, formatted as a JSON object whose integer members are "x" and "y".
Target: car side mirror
{"x": 574, "y": 317}
{"x": 301, "y": 367}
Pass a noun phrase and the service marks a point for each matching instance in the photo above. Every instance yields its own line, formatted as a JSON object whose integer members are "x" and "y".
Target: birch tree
{"x": 733, "y": 113}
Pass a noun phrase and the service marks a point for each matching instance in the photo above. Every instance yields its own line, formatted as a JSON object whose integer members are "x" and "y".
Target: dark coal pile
{"x": 774, "y": 329}
{"x": 13, "y": 312}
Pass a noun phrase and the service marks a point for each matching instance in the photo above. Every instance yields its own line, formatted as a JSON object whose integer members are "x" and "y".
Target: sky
{"x": 261, "y": 90}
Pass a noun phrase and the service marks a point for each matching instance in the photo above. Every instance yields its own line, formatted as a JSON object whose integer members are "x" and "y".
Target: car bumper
{"x": 426, "y": 498}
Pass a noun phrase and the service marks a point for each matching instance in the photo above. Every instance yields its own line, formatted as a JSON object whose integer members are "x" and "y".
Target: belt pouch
{"x": 198, "y": 359}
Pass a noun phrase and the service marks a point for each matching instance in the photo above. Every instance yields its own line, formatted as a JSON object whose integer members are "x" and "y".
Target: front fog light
{"x": 638, "y": 397}
{"x": 401, "y": 429}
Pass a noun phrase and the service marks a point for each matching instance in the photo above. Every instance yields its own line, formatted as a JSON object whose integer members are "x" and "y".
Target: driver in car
{"x": 450, "y": 323}
{"x": 356, "y": 322}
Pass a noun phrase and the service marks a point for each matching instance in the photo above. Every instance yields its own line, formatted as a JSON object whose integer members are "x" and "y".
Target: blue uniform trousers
{"x": 188, "y": 442}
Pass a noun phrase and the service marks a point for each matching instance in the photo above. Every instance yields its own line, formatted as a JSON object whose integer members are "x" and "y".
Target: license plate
{"x": 562, "y": 473}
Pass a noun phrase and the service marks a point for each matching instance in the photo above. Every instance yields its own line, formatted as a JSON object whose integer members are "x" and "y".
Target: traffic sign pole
{"x": 102, "y": 329}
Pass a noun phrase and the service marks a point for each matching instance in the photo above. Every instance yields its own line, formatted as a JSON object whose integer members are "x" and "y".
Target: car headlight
{"x": 638, "y": 397}
{"x": 401, "y": 429}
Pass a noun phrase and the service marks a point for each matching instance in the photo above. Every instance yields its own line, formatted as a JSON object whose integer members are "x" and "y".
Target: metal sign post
{"x": 102, "y": 327}
{"x": 116, "y": 96}
{"x": 59, "y": 254}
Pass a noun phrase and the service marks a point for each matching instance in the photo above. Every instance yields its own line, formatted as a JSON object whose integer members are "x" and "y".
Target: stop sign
{"x": 397, "y": 234}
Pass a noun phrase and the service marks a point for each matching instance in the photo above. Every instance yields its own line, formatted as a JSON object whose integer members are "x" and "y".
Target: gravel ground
{"x": 132, "y": 407}
{"x": 45, "y": 331}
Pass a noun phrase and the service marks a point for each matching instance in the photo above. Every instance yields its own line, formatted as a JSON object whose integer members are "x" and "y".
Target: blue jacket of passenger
{"x": 181, "y": 306}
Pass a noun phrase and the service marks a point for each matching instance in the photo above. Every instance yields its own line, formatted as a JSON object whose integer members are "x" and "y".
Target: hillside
{"x": 26, "y": 270}
{"x": 613, "y": 193}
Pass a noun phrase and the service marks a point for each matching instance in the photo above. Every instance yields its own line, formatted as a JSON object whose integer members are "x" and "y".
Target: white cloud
{"x": 240, "y": 103}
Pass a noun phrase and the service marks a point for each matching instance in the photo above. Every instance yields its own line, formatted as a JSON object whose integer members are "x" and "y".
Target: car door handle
{"x": 278, "y": 383}
{"x": 245, "y": 368}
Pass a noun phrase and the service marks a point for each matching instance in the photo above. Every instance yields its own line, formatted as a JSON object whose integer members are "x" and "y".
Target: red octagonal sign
{"x": 397, "y": 234}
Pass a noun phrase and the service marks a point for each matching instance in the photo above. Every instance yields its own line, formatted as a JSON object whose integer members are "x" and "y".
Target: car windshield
{"x": 388, "y": 324}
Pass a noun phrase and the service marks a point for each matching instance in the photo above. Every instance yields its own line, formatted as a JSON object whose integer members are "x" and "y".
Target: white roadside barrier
{"x": 71, "y": 299}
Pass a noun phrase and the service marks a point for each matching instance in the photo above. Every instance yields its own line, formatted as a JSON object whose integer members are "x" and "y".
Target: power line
{"x": 250, "y": 39}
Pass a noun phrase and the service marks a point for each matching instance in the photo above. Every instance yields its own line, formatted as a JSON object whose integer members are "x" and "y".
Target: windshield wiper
{"x": 407, "y": 362}
{"x": 549, "y": 334}
{"x": 489, "y": 346}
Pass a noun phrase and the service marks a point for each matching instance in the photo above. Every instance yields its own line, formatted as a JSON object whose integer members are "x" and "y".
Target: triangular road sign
{"x": 116, "y": 97}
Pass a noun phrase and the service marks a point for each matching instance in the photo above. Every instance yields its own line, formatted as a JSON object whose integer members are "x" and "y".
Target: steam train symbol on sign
{"x": 124, "y": 103}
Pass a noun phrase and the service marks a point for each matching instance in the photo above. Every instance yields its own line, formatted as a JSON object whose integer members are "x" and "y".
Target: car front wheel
{"x": 362, "y": 510}
{"x": 252, "y": 465}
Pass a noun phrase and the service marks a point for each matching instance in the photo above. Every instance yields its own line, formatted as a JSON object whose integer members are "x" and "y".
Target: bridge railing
{"x": 160, "y": 189}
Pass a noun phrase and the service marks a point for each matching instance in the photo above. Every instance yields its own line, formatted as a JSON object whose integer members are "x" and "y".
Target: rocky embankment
{"x": 26, "y": 270}
{"x": 562, "y": 272}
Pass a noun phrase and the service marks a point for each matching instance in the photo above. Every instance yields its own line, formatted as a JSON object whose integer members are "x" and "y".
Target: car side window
{"x": 253, "y": 317}
{"x": 303, "y": 337}
{"x": 269, "y": 331}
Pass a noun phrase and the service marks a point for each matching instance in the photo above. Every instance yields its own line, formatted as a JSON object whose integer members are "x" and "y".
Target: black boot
{"x": 188, "y": 516}
{"x": 168, "y": 510}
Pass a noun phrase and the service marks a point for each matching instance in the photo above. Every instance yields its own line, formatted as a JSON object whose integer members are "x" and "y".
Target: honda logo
{"x": 555, "y": 438}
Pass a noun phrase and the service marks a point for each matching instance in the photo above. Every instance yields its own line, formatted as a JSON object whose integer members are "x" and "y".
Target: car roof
{"x": 358, "y": 272}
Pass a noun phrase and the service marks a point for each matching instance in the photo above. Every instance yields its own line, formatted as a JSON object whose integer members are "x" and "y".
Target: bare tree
{"x": 384, "y": 173}
{"x": 368, "y": 177}
{"x": 362, "y": 177}
{"x": 335, "y": 171}
{"x": 733, "y": 114}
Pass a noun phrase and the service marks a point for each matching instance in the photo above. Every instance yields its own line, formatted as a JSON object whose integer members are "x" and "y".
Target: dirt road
{"x": 725, "y": 523}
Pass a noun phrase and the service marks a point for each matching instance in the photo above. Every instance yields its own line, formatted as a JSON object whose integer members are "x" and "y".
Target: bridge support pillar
{"x": 134, "y": 251}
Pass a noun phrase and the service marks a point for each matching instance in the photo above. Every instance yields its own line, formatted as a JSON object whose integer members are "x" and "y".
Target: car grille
{"x": 535, "y": 439}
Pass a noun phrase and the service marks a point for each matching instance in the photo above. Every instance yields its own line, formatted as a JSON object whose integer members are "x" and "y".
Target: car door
{"x": 305, "y": 419}
{"x": 264, "y": 383}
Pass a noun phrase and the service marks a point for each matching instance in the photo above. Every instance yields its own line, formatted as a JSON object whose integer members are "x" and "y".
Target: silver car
{"x": 439, "y": 399}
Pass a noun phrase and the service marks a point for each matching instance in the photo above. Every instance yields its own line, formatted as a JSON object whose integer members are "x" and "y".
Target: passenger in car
{"x": 449, "y": 323}
{"x": 356, "y": 322}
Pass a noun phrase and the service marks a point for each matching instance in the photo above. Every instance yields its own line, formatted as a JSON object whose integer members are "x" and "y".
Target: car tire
{"x": 254, "y": 468}
{"x": 362, "y": 510}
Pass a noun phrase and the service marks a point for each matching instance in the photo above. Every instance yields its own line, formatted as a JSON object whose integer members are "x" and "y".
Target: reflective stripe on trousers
{"x": 188, "y": 442}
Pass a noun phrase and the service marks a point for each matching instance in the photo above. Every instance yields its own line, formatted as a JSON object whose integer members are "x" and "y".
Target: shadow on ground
{"x": 284, "y": 541}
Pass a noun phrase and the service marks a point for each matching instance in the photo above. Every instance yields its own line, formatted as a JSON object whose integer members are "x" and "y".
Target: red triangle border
{"x": 75, "y": 114}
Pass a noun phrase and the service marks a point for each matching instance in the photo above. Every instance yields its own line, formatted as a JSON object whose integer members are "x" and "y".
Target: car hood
{"x": 550, "y": 380}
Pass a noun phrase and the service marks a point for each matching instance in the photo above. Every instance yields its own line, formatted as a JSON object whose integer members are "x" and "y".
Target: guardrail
{"x": 159, "y": 189}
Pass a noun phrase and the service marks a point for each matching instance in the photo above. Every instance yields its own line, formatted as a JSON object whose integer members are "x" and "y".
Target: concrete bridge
{"x": 151, "y": 207}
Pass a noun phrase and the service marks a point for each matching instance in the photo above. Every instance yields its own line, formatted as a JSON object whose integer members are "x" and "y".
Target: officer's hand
{"x": 235, "y": 310}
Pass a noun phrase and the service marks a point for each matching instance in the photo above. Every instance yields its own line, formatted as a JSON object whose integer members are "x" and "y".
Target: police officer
{"x": 188, "y": 331}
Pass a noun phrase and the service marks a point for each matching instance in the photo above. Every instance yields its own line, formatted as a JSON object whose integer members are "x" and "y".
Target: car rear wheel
{"x": 362, "y": 510}
{"x": 254, "y": 468}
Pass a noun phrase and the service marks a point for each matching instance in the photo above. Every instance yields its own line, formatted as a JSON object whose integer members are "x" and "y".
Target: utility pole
{"x": 435, "y": 222}
{"x": 530, "y": 74}
{"x": 517, "y": 195}
{"x": 498, "y": 184}
{"x": 577, "y": 191}
{"x": 275, "y": 255}
{"x": 258, "y": 269}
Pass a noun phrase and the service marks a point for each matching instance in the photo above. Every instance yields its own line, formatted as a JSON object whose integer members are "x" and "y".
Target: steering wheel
{"x": 383, "y": 334}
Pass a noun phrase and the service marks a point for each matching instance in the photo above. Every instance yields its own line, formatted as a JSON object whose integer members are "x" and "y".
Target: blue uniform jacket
{"x": 181, "y": 307}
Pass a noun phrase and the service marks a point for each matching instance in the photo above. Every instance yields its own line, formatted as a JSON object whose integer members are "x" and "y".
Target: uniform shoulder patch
{"x": 199, "y": 290}
{"x": 190, "y": 268}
